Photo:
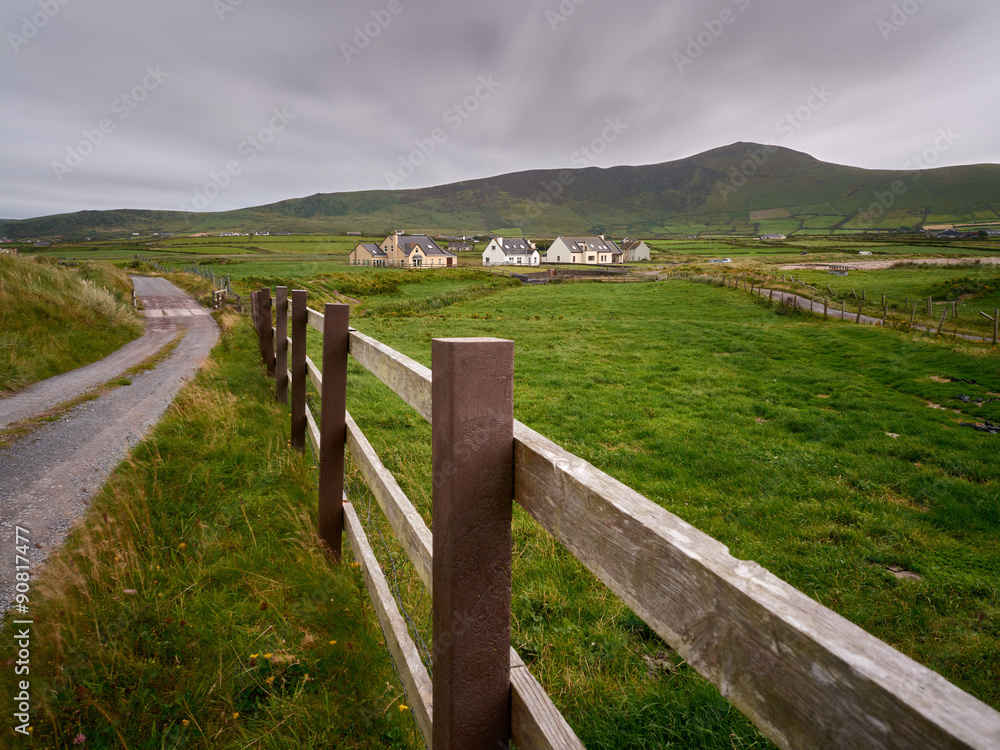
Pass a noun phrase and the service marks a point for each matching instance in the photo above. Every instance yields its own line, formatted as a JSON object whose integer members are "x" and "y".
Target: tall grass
{"x": 54, "y": 319}
{"x": 193, "y": 607}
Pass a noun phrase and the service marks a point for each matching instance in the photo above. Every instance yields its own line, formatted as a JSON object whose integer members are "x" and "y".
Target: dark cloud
{"x": 142, "y": 105}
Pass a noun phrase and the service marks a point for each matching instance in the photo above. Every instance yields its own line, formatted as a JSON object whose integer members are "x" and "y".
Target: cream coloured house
{"x": 416, "y": 251}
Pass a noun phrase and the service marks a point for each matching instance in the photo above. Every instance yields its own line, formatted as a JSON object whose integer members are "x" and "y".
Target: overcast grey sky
{"x": 220, "y": 104}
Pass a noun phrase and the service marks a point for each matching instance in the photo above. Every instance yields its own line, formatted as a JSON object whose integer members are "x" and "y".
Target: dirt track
{"x": 48, "y": 478}
{"x": 880, "y": 265}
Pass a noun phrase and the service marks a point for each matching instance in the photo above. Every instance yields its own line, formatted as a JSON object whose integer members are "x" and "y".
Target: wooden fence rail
{"x": 805, "y": 676}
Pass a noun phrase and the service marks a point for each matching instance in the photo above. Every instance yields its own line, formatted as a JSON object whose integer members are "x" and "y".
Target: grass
{"x": 193, "y": 606}
{"x": 54, "y": 319}
{"x": 811, "y": 448}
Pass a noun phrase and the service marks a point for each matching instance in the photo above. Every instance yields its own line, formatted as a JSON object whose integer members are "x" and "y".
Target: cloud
{"x": 563, "y": 67}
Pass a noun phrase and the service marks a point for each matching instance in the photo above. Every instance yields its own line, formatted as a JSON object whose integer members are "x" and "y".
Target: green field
{"x": 832, "y": 454}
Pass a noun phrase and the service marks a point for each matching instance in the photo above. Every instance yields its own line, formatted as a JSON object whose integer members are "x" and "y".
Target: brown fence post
{"x": 300, "y": 320}
{"x": 253, "y": 313}
{"x": 473, "y": 461}
{"x": 281, "y": 345}
{"x": 333, "y": 426}
{"x": 264, "y": 329}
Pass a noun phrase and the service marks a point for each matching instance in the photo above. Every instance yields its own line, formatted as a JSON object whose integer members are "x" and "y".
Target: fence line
{"x": 805, "y": 676}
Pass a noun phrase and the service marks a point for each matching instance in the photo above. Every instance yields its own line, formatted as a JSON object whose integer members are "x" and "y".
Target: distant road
{"x": 879, "y": 265}
{"x": 49, "y": 477}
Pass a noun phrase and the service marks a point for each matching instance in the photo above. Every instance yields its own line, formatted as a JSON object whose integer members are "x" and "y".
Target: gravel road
{"x": 49, "y": 477}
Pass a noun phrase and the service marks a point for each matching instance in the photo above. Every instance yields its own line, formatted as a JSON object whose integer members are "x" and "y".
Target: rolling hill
{"x": 743, "y": 188}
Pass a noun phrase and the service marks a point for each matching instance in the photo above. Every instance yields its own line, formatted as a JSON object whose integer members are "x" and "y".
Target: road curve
{"x": 48, "y": 478}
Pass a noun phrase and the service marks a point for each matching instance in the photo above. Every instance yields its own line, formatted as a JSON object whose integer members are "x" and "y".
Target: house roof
{"x": 374, "y": 250}
{"x": 514, "y": 246}
{"x": 426, "y": 245}
{"x": 628, "y": 245}
{"x": 592, "y": 243}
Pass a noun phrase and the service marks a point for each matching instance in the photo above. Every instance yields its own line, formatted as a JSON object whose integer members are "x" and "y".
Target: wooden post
{"x": 300, "y": 320}
{"x": 941, "y": 324}
{"x": 883, "y": 300}
{"x": 825, "y": 309}
{"x": 333, "y": 426}
{"x": 473, "y": 462}
{"x": 253, "y": 314}
{"x": 996, "y": 325}
{"x": 864, "y": 296}
{"x": 264, "y": 331}
{"x": 855, "y": 294}
{"x": 930, "y": 308}
{"x": 861, "y": 306}
{"x": 772, "y": 295}
{"x": 885, "y": 314}
{"x": 913, "y": 314}
{"x": 281, "y": 345}
{"x": 954, "y": 309}
{"x": 843, "y": 309}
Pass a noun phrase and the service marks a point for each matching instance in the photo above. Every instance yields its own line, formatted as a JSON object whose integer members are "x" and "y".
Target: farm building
{"x": 773, "y": 237}
{"x": 510, "y": 252}
{"x": 417, "y": 251}
{"x": 591, "y": 251}
{"x": 634, "y": 250}
{"x": 368, "y": 254}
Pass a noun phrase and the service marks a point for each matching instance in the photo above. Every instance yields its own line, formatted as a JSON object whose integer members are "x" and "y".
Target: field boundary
{"x": 805, "y": 676}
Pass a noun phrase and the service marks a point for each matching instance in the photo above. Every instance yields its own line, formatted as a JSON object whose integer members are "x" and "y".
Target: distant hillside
{"x": 743, "y": 189}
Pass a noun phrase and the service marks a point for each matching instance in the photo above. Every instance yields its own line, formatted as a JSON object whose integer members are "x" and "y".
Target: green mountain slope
{"x": 718, "y": 189}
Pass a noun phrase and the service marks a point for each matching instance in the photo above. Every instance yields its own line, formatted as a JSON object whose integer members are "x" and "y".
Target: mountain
{"x": 743, "y": 188}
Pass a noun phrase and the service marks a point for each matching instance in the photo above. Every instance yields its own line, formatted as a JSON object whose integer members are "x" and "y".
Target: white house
{"x": 634, "y": 250}
{"x": 591, "y": 251}
{"x": 506, "y": 251}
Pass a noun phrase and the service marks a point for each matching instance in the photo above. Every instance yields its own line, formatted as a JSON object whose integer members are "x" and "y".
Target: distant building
{"x": 773, "y": 237}
{"x": 354, "y": 234}
{"x": 369, "y": 254}
{"x": 510, "y": 252}
{"x": 461, "y": 247}
{"x": 634, "y": 250}
{"x": 417, "y": 251}
{"x": 591, "y": 251}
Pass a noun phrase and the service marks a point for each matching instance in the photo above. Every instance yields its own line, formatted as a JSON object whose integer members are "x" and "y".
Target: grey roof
{"x": 515, "y": 246}
{"x": 592, "y": 243}
{"x": 374, "y": 250}
{"x": 426, "y": 244}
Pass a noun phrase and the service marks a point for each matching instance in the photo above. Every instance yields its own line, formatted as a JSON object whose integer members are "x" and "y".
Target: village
{"x": 400, "y": 250}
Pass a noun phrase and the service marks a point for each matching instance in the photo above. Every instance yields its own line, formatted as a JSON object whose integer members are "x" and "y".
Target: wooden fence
{"x": 805, "y": 676}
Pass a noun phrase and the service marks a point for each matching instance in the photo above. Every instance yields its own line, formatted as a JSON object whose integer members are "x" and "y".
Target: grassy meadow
{"x": 831, "y": 454}
{"x": 834, "y": 455}
{"x": 54, "y": 319}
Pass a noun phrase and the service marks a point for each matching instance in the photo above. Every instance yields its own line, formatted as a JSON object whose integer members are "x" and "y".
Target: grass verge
{"x": 193, "y": 607}
{"x": 53, "y": 320}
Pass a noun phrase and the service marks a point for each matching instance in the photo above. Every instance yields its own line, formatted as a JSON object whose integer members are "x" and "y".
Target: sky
{"x": 212, "y": 105}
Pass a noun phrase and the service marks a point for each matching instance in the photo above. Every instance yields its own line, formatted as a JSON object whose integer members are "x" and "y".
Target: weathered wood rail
{"x": 804, "y": 675}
